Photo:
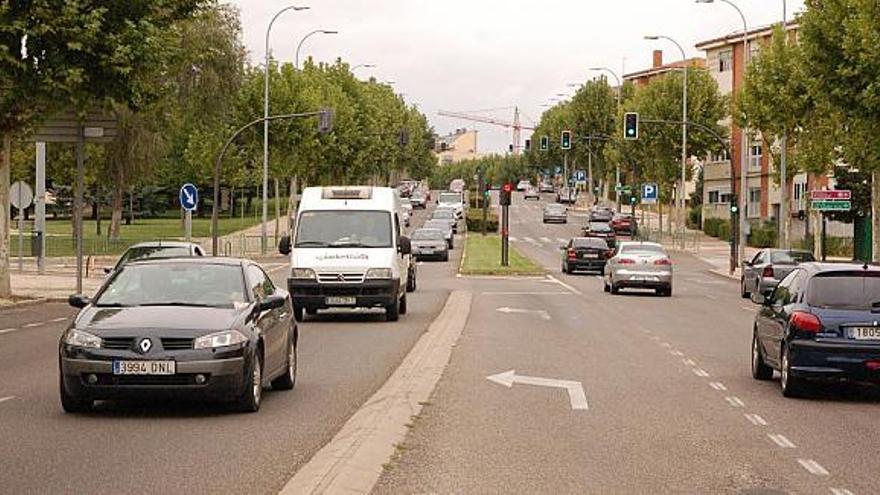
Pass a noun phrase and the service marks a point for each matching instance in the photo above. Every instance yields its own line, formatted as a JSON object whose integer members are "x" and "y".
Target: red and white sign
{"x": 508, "y": 187}
{"x": 841, "y": 194}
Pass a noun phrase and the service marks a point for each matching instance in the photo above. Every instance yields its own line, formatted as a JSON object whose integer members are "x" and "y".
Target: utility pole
{"x": 784, "y": 217}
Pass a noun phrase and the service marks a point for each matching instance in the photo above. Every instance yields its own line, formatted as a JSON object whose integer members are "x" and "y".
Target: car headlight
{"x": 78, "y": 338}
{"x": 220, "y": 339}
{"x": 303, "y": 273}
{"x": 379, "y": 273}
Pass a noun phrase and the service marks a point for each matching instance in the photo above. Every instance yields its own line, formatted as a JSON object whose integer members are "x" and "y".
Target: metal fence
{"x": 235, "y": 245}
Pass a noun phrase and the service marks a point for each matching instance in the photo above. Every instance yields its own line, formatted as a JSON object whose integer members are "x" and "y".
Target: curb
{"x": 723, "y": 275}
{"x": 32, "y": 302}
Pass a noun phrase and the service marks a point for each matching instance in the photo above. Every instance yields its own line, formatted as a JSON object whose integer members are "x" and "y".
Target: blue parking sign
{"x": 650, "y": 192}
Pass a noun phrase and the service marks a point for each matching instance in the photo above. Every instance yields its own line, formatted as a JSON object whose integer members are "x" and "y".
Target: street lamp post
{"x": 264, "y": 235}
{"x": 744, "y": 162}
{"x": 783, "y": 179}
{"x": 363, "y": 66}
{"x": 684, "y": 112}
{"x": 303, "y": 40}
{"x": 617, "y": 172}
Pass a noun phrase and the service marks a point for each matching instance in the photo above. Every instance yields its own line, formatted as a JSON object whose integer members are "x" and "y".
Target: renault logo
{"x": 145, "y": 345}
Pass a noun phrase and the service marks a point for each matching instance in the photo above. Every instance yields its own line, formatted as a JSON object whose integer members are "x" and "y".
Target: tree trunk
{"x": 5, "y": 283}
{"x": 277, "y": 211}
{"x": 660, "y": 216}
{"x": 875, "y": 216}
{"x": 291, "y": 204}
{"x": 117, "y": 205}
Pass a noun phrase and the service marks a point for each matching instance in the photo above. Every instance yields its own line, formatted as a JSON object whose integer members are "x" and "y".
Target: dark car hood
{"x": 109, "y": 320}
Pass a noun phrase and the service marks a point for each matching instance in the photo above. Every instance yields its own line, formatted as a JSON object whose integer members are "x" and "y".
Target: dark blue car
{"x": 822, "y": 322}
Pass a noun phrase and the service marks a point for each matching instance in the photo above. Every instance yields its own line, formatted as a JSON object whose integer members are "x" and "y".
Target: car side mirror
{"x": 273, "y": 301}
{"x": 107, "y": 270}
{"x": 768, "y": 293}
{"x": 404, "y": 245}
{"x": 78, "y": 301}
{"x": 759, "y": 299}
{"x": 284, "y": 245}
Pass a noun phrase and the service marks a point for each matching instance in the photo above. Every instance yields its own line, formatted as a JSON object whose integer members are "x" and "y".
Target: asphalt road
{"x": 672, "y": 405}
{"x": 195, "y": 448}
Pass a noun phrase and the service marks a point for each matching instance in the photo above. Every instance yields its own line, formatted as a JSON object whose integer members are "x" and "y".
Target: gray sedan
{"x": 430, "y": 244}
{"x": 554, "y": 212}
{"x": 445, "y": 227}
{"x": 763, "y": 272}
{"x": 639, "y": 265}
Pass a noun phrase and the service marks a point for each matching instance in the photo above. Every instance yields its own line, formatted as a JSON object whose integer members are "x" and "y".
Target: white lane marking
{"x": 813, "y": 467}
{"x": 528, "y": 239}
{"x": 545, "y": 240}
{"x": 756, "y": 420}
{"x": 700, "y": 372}
{"x": 750, "y": 310}
{"x": 688, "y": 362}
{"x": 718, "y": 386}
{"x": 735, "y": 402}
{"x": 7, "y": 330}
{"x": 4, "y": 399}
{"x": 841, "y": 491}
{"x": 499, "y": 293}
{"x": 576, "y": 394}
{"x": 561, "y": 240}
{"x": 513, "y": 239}
{"x": 780, "y": 440}
{"x": 276, "y": 268}
{"x": 676, "y": 353}
{"x": 56, "y": 320}
{"x": 666, "y": 344}
{"x": 710, "y": 296}
{"x": 540, "y": 312}
{"x": 563, "y": 284}
{"x": 32, "y": 325}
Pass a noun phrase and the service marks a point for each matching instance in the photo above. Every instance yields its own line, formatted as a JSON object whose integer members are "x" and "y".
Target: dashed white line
{"x": 7, "y": 330}
{"x": 561, "y": 240}
{"x": 700, "y": 372}
{"x": 710, "y": 296}
{"x": 64, "y": 318}
{"x": 9, "y": 397}
{"x": 32, "y": 325}
{"x": 841, "y": 491}
{"x": 512, "y": 239}
{"x": 718, "y": 386}
{"x": 813, "y": 467}
{"x": 781, "y": 441}
{"x": 528, "y": 239}
{"x": 735, "y": 401}
{"x": 676, "y": 353}
{"x": 666, "y": 344}
{"x": 756, "y": 420}
{"x": 688, "y": 362}
{"x": 750, "y": 310}
{"x": 545, "y": 240}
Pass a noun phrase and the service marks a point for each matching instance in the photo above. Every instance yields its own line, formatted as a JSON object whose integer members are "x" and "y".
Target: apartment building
{"x": 456, "y": 146}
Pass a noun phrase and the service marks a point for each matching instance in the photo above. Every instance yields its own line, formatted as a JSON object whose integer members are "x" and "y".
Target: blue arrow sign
{"x": 189, "y": 197}
{"x": 650, "y": 192}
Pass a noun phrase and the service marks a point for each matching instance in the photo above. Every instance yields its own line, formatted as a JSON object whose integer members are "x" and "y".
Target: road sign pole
{"x": 824, "y": 231}
{"x": 20, "y": 237}
{"x": 505, "y": 225}
{"x": 77, "y": 206}
{"x": 40, "y": 207}
{"x": 188, "y": 225}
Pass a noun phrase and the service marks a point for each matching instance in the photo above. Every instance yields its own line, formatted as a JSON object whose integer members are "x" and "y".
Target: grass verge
{"x": 483, "y": 257}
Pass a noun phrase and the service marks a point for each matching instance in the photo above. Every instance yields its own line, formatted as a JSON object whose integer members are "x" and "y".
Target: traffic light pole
{"x": 505, "y": 236}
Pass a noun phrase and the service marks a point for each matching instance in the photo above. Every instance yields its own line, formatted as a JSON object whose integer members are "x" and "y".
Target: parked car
{"x": 566, "y": 195}
{"x": 624, "y": 224}
{"x": 639, "y": 265}
{"x": 200, "y": 328}
{"x": 601, "y": 230}
{"x": 154, "y": 250}
{"x": 546, "y": 187}
{"x": 430, "y": 244}
{"x": 601, "y": 214}
{"x": 447, "y": 214}
{"x": 532, "y": 192}
{"x": 555, "y": 212}
{"x": 444, "y": 227}
{"x": 407, "y": 210}
{"x": 764, "y": 271}
{"x": 523, "y": 185}
{"x": 585, "y": 253}
{"x": 819, "y": 323}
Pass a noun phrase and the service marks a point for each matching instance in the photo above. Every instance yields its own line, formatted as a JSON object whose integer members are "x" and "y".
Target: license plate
{"x": 590, "y": 256}
{"x": 144, "y": 367}
{"x": 341, "y": 301}
{"x": 865, "y": 333}
{"x": 427, "y": 251}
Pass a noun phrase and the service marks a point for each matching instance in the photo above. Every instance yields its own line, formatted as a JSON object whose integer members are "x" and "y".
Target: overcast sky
{"x": 468, "y": 55}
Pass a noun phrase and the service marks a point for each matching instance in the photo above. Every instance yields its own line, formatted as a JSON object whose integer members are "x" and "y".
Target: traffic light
{"x": 504, "y": 199}
{"x": 565, "y": 142}
{"x": 631, "y": 125}
{"x": 632, "y": 200}
{"x": 528, "y": 144}
{"x": 325, "y": 120}
{"x": 734, "y": 208}
{"x": 545, "y": 143}
{"x": 510, "y": 147}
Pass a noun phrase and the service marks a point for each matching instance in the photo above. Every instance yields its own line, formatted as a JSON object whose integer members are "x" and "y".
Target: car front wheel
{"x": 742, "y": 289}
{"x": 253, "y": 387}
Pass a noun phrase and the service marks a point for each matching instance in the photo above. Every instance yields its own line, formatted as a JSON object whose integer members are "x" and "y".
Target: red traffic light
{"x": 508, "y": 187}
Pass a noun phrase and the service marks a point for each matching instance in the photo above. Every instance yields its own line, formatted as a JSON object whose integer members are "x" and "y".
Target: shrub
{"x": 763, "y": 235}
{"x": 695, "y": 218}
{"x": 717, "y": 227}
{"x": 474, "y": 220}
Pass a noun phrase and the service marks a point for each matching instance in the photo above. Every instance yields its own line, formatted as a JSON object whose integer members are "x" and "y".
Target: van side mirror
{"x": 78, "y": 301}
{"x": 284, "y": 245}
{"x": 404, "y": 245}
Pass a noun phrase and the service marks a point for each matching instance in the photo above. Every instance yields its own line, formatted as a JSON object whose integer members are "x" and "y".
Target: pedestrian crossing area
{"x": 539, "y": 241}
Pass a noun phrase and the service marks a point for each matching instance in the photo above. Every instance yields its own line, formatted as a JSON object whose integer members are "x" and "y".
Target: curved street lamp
{"x": 303, "y": 40}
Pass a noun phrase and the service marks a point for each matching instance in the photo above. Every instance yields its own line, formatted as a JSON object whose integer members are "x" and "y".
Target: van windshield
{"x": 450, "y": 198}
{"x": 344, "y": 229}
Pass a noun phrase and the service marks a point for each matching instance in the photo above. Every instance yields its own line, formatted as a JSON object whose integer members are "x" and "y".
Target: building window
{"x": 716, "y": 197}
{"x": 756, "y": 150}
{"x": 713, "y": 197}
{"x": 725, "y": 61}
{"x": 719, "y": 157}
{"x": 754, "y": 202}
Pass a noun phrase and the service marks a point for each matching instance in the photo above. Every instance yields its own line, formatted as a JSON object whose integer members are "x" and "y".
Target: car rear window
{"x": 427, "y": 235}
{"x": 600, "y": 227}
{"x": 590, "y": 242}
{"x": 642, "y": 248}
{"x": 845, "y": 290}
{"x": 790, "y": 257}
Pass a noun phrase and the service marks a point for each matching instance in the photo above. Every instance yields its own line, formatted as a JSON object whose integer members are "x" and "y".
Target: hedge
{"x": 474, "y": 220}
{"x": 717, "y": 227}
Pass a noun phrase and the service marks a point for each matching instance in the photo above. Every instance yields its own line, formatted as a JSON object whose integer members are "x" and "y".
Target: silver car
{"x": 762, "y": 273}
{"x": 429, "y": 244}
{"x": 555, "y": 212}
{"x": 639, "y": 265}
{"x": 447, "y": 214}
{"x": 444, "y": 227}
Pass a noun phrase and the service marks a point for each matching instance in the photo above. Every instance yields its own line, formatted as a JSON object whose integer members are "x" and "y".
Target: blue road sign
{"x": 650, "y": 191}
{"x": 558, "y": 170}
{"x": 189, "y": 197}
{"x": 581, "y": 175}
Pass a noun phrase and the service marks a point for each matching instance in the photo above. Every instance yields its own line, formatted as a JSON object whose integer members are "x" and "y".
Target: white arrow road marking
{"x": 575, "y": 389}
{"x": 813, "y": 467}
{"x": 543, "y": 314}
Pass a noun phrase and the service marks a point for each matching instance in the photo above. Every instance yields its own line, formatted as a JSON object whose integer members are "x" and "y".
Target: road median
{"x": 482, "y": 256}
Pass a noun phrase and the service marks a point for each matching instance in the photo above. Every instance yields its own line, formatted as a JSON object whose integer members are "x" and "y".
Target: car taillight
{"x": 627, "y": 261}
{"x": 768, "y": 272}
{"x": 572, "y": 253}
{"x": 609, "y": 253}
{"x": 808, "y": 322}
{"x": 664, "y": 261}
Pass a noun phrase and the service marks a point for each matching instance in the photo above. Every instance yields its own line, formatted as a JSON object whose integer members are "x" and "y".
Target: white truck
{"x": 348, "y": 251}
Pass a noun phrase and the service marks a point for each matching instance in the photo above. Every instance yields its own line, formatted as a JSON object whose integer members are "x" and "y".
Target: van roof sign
{"x": 347, "y": 193}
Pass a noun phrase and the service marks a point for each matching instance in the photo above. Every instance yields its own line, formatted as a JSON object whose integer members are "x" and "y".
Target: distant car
{"x": 532, "y": 192}
{"x": 445, "y": 227}
{"x": 764, "y": 271}
{"x": 430, "y": 244}
{"x": 585, "y": 253}
{"x": 639, "y": 265}
{"x": 624, "y": 224}
{"x": 447, "y": 214}
{"x": 555, "y": 212}
{"x": 601, "y": 230}
{"x": 546, "y": 187}
{"x": 199, "y": 328}
{"x": 566, "y": 195}
{"x": 523, "y": 185}
{"x": 454, "y": 200}
{"x": 154, "y": 250}
{"x": 406, "y": 206}
{"x": 601, "y": 214}
{"x": 419, "y": 199}
{"x": 819, "y": 323}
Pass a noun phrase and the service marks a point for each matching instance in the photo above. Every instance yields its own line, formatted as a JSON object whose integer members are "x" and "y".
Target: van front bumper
{"x": 311, "y": 294}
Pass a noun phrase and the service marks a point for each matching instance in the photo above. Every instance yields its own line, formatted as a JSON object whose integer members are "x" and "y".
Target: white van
{"x": 348, "y": 251}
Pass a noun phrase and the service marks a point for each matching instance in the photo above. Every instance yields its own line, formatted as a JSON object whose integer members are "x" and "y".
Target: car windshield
{"x": 450, "y": 198}
{"x": 438, "y": 224}
{"x": 152, "y": 252}
{"x": 554, "y": 207}
{"x": 845, "y": 290}
{"x": 641, "y": 249}
{"x": 589, "y": 242}
{"x": 790, "y": 257}
{"x": 443, "y": 213}
{"x": 342, "y": 229}
{"x": 599, "y": 227}
{"x": 427, "y": 235}
{"x": 175, "y": 284}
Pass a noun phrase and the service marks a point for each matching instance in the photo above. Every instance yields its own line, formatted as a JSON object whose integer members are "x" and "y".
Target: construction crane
{"x": 515, "y": 125}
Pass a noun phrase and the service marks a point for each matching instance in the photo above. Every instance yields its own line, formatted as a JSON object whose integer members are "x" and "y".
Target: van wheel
{"x": 411, "y": 283}
{"x": 298, "y": 312}
{"x": 402, "y": 306}
{"x": 392, "y": 311}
